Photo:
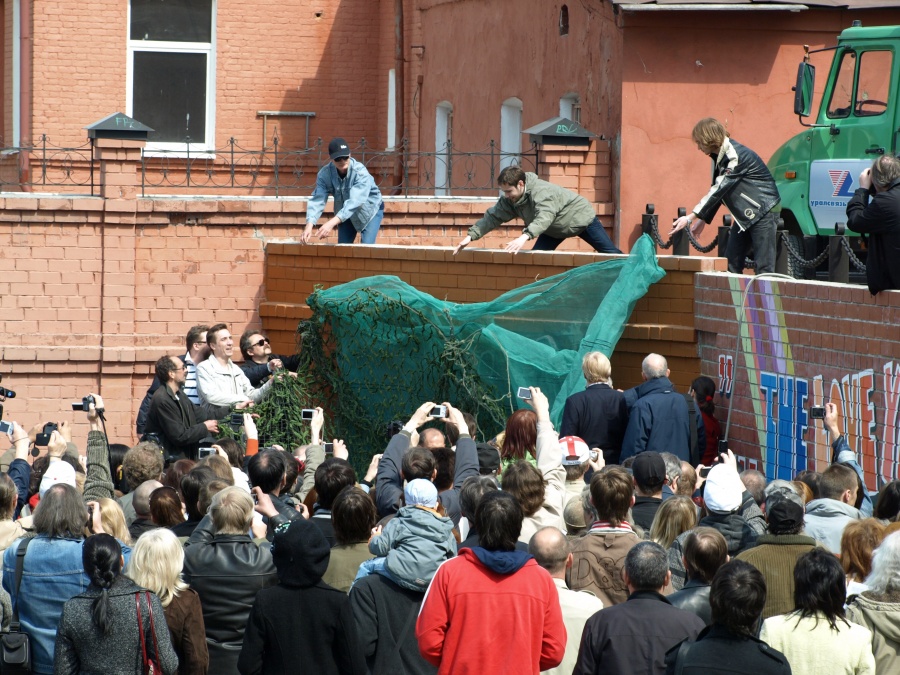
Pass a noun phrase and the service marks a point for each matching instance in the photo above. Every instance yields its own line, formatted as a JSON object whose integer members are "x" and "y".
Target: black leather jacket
{"x": 227, "y": 571}
{"x": 694, "y": 598}
{"x": 743, "y": 183}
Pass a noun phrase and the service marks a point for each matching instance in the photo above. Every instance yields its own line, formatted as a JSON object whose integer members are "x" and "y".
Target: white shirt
{"x": 226, "y": 385}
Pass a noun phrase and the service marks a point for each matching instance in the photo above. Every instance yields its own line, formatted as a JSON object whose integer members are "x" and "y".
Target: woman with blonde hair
{"x": 156, "y": 562}
{"x": 674, "y": 516}
{"x": 113, "y": 519}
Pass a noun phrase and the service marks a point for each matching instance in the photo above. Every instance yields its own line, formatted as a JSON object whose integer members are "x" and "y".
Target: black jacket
{"x": 880, "y": 220}
{"x": 644, "y": 511}
{"x": 743, "y": 183}
{"x": 694, "y": 598}
{"x": 259, "y": 373}
{"x": 717, "y": 646}
{"x": 175, "y": 420}
{"x": 634, "y": 636}
{"x": 385, "y": 617}
{"x": 598, "y": 416}
{"x": 227, "y": 571}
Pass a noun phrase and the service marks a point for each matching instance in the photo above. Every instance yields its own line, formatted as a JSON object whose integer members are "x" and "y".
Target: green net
{"x": 378, "y": 348}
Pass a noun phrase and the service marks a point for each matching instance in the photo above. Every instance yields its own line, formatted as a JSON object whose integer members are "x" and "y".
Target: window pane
{"x": 842, "y": 94}
{"x": 171, "y": 20}
{"x": 170, "y": 95}
{"x": 874, "y": 83}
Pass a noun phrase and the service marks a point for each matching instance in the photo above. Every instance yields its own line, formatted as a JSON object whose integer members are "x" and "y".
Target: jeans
{"x": 594, "y": 234}
{"x": 761, "y": 235}
{"x": 347, "y": 231}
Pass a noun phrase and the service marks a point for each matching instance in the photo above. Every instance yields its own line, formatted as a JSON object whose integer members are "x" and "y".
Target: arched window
{"x": 510, "y": 132}
{"x": 564, "y": 20}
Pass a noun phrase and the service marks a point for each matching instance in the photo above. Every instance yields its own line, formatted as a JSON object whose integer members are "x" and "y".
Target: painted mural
{"x": 781, "y": 390}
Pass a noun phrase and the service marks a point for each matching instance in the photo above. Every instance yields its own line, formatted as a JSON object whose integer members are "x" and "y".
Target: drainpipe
{"x": 24, "y": 119}
{"x": 399, "y": 89}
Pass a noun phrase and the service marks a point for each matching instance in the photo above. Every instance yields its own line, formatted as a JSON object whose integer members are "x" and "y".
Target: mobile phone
{"x": 524, "y": 393}
{"x": 43, "y": 438}
{"x": 237, "y": 420}
{"x": 7, "y": 428}
{"x": 307, "y": 414}
{"x": 438, "y": 411}
{"x": 817, "y": 412}
{"x": 329, "y": 448}
{"x": 205, "y": 452}
{"x": 723, "y": 446}
{"x": 704, "y": 472}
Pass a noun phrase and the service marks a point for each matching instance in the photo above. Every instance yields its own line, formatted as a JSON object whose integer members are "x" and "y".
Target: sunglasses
{"x": 263, "y": 341}
{"x": 342, "y": 159}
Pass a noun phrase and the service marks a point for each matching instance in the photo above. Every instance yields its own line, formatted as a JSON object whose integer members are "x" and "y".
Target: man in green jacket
{"x": 551, "y": 214}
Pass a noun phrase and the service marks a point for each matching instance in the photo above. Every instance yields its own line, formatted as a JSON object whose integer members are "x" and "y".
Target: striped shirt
{"x": 190, "y": 382}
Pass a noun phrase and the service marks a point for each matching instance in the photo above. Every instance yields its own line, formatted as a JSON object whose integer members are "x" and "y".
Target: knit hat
{"x": 649, "y": 469}
{"x": 723, "y": 489}
{"x": 338, "y": 148}
{"x": 574, "y": 451}
{"x": 58, "y": 472}
{"x": 421, "y": 492}
{"x": 300, "y": 553}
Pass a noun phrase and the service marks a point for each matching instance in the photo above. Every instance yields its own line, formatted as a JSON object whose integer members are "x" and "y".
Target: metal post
{"x": 838, "y": 261}
{"x": 724, "y": 231}
{"x": 275, "y": 162}
{"x": 810, "y": 251}
{"x": 648, "y": 223}
{"x": 680, "y": 241}
{"x": 781, "y": 252}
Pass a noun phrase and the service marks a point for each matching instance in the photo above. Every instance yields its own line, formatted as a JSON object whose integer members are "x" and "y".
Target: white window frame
{"x": 197, "y": 148}
{"x": 443, "y": 139}
{"x": 511, "y": 132}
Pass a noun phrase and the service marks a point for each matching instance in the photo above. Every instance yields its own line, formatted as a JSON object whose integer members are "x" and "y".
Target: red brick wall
{"x": 805, "y": 343}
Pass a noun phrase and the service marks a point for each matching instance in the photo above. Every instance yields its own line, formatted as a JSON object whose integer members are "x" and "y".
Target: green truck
{"x": 818, "y": 170}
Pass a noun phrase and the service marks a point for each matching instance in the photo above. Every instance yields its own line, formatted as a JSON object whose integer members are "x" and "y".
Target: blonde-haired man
{"x": 598, "y": 414}
{"x": 744, "y": 184}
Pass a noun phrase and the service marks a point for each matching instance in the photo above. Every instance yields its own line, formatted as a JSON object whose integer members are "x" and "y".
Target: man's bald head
{"x": 141, "y": 501}
{"x": 432, "y": 438}
{"x": 550, "y": 549}
{"x": 654, "y": 366}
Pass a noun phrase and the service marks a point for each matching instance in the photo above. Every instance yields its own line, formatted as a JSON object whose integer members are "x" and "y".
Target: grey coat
{"x": 416, "y": 541}
{"x": 81, "y": 648}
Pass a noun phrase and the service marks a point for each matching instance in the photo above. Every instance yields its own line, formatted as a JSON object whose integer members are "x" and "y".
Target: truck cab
{"x": 818, "y": 170}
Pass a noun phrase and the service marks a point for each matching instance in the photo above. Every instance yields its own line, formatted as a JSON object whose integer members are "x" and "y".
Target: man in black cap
{"x": 777, "y": 552}
{"x": 649, "y": 471}
{"x": 357, "y": 200}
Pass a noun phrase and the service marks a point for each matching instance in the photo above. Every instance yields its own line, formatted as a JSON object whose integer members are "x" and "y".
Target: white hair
{"x": 885, "y": 574}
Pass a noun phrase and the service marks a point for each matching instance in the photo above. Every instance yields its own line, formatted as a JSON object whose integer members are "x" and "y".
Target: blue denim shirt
{"x": 53, "y": 573}
{"x": 356, "y": 197}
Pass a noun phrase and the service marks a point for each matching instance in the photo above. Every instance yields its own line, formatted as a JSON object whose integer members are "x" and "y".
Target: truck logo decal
{"x": 841, "y": 181}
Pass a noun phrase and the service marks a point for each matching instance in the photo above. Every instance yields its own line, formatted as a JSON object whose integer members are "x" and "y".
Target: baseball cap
{"x": 649, "y": 469}
{"x": 574, "y": 451}
{"x": 723, "y": 489}
{"x": 784, "y": 516}
{"x": 338, "y": 148}
{"x": 420, "y": 492}
{"x": 57, "y": 472}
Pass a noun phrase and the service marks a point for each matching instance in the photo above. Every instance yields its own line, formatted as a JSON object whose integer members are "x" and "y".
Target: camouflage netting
{"x": 376, "y": 348}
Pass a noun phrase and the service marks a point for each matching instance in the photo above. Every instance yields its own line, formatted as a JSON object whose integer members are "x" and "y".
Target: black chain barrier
{"x": 856, "y": 262}
{"x": 696, "y": 244}
{"x": 798, "y": 259}
{"x": 654, "y": 232}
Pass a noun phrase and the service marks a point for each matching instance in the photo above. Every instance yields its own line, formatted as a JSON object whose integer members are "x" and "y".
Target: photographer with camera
{"x": 173, "y": 416}
{"x": 400, "y": 462}
{"x": 874, "y": 212}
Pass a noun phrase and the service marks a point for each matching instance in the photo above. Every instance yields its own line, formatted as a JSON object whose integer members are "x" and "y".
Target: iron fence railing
{"x": 281, "y": 171}
{"x": 42, "y": 164}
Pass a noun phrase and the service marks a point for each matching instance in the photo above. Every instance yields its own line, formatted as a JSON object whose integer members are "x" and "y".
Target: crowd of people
{"x": 622, "y": 543}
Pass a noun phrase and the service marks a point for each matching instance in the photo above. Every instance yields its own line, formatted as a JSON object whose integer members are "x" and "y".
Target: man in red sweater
{"x": 492, "y": 609}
